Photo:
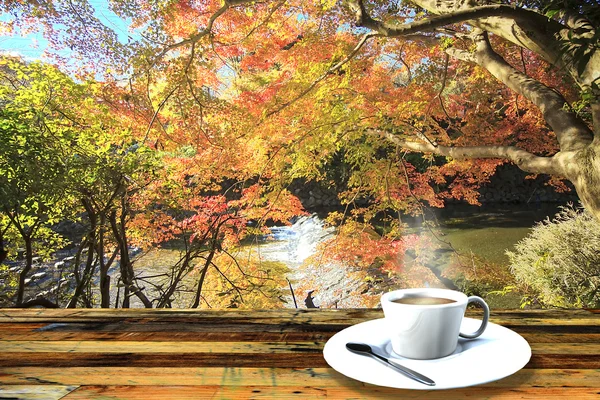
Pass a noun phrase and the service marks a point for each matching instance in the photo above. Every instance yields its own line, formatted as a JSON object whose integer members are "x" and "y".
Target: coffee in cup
{"x": 423, "y": 300}
{"x": 425, "y": 323}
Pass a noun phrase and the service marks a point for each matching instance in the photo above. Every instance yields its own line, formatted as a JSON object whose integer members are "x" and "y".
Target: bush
{"x": 558, "y": 264}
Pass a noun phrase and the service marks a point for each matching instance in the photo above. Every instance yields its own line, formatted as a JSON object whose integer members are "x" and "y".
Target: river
{"x": 485, "y": 232}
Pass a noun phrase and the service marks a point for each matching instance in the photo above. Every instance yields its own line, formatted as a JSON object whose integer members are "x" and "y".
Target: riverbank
{"x": 480, "y": 235}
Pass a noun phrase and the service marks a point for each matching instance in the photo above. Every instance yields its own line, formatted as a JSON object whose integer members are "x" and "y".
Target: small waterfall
{"x": 294, "y": 244}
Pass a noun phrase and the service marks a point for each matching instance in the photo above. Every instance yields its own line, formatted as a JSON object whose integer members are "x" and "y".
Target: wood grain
{"x": 275, "y": 354}
{"x": 304, "y": 392}
{"x": 169, "y": 347}
{"x": 34, "y": 392}
{"x": 325, "y": 377}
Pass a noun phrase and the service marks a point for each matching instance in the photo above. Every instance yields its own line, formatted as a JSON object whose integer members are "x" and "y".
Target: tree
{"x": 569, "y": 42}
{"x": 74, "y": 151}
{"x": 394, "y": 70}
{"x": 33, "y": 189}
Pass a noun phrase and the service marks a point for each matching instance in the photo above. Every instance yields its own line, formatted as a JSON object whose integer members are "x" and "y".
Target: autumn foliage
{"x": 192, "y": 128}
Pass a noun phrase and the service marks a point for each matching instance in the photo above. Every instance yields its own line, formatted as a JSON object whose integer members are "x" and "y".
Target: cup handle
{"x": 486, "y": 317}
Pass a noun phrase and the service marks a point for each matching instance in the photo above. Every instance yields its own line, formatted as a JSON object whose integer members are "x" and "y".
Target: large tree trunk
{"x": 531, "y": 30}
{"x": 584, "y": 172}
{"x": 579, "y": 157}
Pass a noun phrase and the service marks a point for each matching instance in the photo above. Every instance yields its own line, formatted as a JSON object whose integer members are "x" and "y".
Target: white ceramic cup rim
{"x": 459, "y": 298}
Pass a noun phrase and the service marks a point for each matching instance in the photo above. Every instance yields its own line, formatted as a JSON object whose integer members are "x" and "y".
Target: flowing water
{"x": 485, "y": 232}
{"x": 294, "y": 244}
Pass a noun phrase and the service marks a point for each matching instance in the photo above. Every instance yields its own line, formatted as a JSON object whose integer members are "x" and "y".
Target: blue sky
{"x": 33, "y": 45}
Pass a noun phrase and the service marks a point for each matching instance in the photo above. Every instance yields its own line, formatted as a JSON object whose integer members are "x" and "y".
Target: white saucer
{"x": 498, "y": 353}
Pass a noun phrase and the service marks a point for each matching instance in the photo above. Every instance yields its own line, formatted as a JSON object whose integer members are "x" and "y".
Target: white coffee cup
{"x": 426, "y": 331}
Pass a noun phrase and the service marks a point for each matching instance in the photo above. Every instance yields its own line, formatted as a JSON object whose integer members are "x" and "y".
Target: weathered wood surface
{"x": 173, "y": 354}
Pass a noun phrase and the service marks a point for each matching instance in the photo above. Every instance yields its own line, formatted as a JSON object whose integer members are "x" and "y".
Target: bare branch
{"x": 522, "y": 158}
{"x": 572, "y": 132}
{"x": 430, "y": 24}
{"x": 441, "y": 91}
{"x": 410, "y": 77}
{"x": 160, "y": 106}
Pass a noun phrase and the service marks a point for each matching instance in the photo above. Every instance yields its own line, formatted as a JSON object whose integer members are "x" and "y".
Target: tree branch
{"x": 531, "y": 30}
{"x": 204, "y": 32}
{"x": 426, "y": 25}
{"x": 571, "y": 131}
{"x": 523, "y": 159}
{"x": 461, "y": 55}
{"x": 155, "y": 115}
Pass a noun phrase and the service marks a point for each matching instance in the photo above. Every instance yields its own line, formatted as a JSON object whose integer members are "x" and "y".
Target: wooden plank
{"x": 561, "y": 337}
{"x": 509, "y": 323}
{"x": 269, "y": 313}
{"x": 143, "y": 393}
{"x": 555, "y": 329}
{"x": 169, "y": 347}
{"x": 479, "y": 393}
{"x": 308, "y": 392}
{"x": 196, "y": 326}
{"x": 566, "y": 348}
{"x": 206, "y": 318}
{"x": 143, "y": 360}
{"x": 208, "y": 326}
{"x": 196, "y": 392}
{"x": 20, "y": 327}
{"x": 283, "y": 359}
{"x": 327, "y": 377}
{"x": 305, "y": 316}
{"x": 170, "y": 336}
{"x": 296, "y": 316}
{"x": 33, "y": 392}
{"x": 575, "y": 361}
{"x": 572, "y": 313}
{"x": 124, "y": 335}
{"x": 237, "y": 333}
{"x": 157, "y": 347}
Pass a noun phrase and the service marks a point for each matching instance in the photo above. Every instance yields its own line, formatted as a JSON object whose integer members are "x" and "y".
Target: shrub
{"x": 559, "y": 262}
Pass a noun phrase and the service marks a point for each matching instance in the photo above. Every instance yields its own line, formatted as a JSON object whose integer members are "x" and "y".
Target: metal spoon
{"x": 365, "y": 349}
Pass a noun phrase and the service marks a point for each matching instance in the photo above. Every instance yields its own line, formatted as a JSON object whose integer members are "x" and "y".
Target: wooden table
{"x": 172, "y": 354}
